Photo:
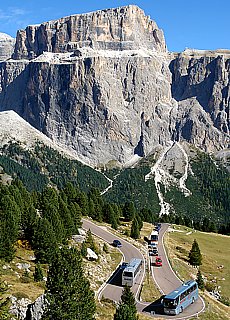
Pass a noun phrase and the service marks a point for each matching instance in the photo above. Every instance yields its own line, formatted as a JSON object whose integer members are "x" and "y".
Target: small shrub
{"x": 21, "y": 295}
{"x": 225, "y": 300}
{"x": 38, "y": 274}
{"x": 182, "y": 250}
{"x": 210, "y": 286}
{"x": 105, "y": 248}
{"x": 25, "y": 277}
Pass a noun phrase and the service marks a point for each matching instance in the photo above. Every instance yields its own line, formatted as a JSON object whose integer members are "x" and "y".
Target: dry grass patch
{"x": 14, "y": 278}
{"x": 214, "y": 309}
{"x": 215, "y": 249}
{"x": 105, "y": 309}
{"x": 149, "y": 292}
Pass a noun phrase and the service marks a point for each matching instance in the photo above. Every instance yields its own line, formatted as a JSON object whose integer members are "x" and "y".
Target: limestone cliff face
{"x": 105, "y": 108}
{"x": 106, "y": 87}
{"x": 204, "y": 76}
{"x": 113, "y": 29}
{"x": 6, "y": 46}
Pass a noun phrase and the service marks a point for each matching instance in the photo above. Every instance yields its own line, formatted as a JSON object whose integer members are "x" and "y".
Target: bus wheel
{"x": 181, "y": 309}
{"x": 193, "y": 300}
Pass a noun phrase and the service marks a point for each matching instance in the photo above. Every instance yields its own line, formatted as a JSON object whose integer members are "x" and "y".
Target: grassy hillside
{"x": 215, "y": 250}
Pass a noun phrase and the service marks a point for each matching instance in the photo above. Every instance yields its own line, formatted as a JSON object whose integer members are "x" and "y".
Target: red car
{"x": 158, "y": 262}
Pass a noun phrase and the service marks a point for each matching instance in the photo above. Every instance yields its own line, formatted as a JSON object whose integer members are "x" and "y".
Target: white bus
{"x": 153, "y": 239}
{"x": 130, "y": 272}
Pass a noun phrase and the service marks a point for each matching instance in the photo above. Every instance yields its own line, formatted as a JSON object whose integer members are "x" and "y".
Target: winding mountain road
{"x": 164, "y": 276}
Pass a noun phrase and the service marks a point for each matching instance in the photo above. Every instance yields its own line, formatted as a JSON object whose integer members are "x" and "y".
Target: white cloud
{"x": 13, "y": 15}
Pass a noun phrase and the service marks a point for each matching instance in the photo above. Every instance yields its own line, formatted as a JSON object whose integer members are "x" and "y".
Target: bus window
{"x": 127, "y": 274}
{"x": 171, "y": 303}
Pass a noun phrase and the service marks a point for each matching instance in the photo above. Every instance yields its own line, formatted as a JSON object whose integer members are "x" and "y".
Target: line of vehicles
{"x": 152, "y": 245}
{"x": 130, "y": 269}
{"x": 174, "y": 302}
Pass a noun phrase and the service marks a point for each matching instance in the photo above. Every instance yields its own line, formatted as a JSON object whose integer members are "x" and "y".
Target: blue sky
{"x": 198, "y": 24}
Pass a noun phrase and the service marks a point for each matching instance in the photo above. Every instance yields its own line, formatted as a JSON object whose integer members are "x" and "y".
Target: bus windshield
{"x": 170, "y": 303}
{"x": 127, "y": 274}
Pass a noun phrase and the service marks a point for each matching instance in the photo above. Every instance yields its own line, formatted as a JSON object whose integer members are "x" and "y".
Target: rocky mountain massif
{"x": 104, "y": 85}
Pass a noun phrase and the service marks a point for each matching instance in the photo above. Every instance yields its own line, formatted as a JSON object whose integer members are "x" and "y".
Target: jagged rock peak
{"x": 122, "y": 28}
{"x": 6, "y": 46}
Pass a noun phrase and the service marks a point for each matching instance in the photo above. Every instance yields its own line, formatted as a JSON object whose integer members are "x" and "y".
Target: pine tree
{"x": 66, "y": 217}
{"x": 44, "y": 241}
{"x": 135, "y": 232}
{"x": 126, "y": 309}
{"x": 195, "y": 257}
{"x": 52, "y": 215}
{"x": 7, "y": 250}
{"x": 90, "y": 242}
{"x": 68, "y": 291}
{"x": 140, "y": 222}
{"x": 129, "y": 211}
{"x": 38, "y": 274}
{"x": 9, "y": 226}
{"x": 200, "y": 280}
{"x": 76, "y": 214}
{"x": 83, "y": 249}
{"x": 113, "y": 222}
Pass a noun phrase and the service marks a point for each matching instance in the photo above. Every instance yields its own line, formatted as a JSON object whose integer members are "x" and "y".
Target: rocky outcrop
{"x": 122, "y": 28}
{"x": 19, "y": 307}
{"x": 204, "y": 76}
{"x": 107, "y": 88}
{"x": 105, "y": 108}
{"x": 35, "y": 310}
{"x": 6, "y": 46}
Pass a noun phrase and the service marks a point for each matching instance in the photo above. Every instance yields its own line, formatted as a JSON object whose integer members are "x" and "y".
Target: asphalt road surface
{"x": 164, "y": 276}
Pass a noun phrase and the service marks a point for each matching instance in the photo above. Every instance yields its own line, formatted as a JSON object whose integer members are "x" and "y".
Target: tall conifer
{"x": 195, "y": 256}
{"x": 68, "y": 291}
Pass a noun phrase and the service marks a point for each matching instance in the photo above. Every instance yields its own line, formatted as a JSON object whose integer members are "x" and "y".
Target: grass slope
{"x": 215, "y": 250}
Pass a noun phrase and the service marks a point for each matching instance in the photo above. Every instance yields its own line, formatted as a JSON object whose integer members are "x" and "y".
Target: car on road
{"x": 158, "y": 262}
{"x": 117, "y": 243}
{"x": 123, "y": 265}
{"x": 152, "y": 245}
{"x": 150, "y": 252}
{"x": 155, "y": 252}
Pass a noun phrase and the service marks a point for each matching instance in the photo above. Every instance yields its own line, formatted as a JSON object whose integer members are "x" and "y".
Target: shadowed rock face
{"x": 108, "y": 89}
{"x": 206, "y": 79}
{"x": 113, "y": 29}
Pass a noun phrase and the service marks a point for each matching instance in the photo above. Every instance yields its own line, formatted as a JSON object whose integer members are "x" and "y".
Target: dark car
{"x": 155, "y": 252}
{"x": 123, "y": 265}
{"x": 117, "y": 243}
